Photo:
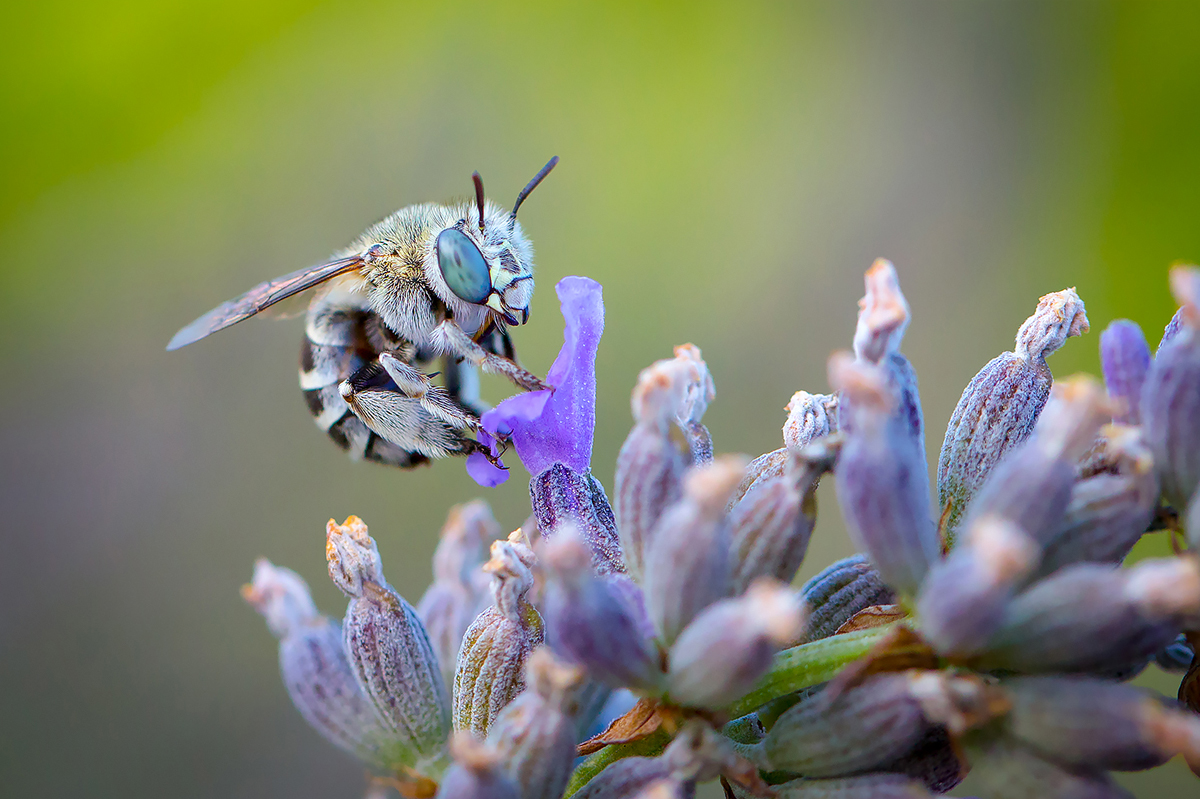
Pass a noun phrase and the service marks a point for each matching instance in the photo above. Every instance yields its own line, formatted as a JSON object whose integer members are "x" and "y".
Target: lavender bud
{"x": 1031, "y": 486}
{"x": 477, "y": 773}
{"x": 387, "y": 646}
{"x": 773, "y": 522}
{"x": 865, "y": 727}
{"x": 1174, "y": 326}
{"x": 1090, "y": 617}
{"x": 562, "y": 496}
{"x": 882, "y": 484}
{"x": 589, "y": 622}
{"x": 698, "y": 392}
{"x": 810, "y": 417}
{"x": 650, "y": 466}
{"x": 459, "y": 584}
{"x": 963, "y": 600}
{"x": 313, "y": 662}
{"x": 864, "y": 786}
{"x": 1003, "y": 769}
{"x": 535, "y": 734}
{"x": 687, "y": 562}
{"x": 1097, "y": 724}
{"x": 840, "y": 591}
{"x": 1001, "y": 404}
{"x": 1124, "y": 358}
{"x": 882, "y": 319}
{"x": 491, "y": 662}
{"x": 730, "y": 644}
{"x": 1171, "y": 397}
{"x": 1107, "y": 512}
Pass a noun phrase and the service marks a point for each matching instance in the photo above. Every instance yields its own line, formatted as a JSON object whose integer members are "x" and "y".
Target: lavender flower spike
{"x": 554, "y": 426}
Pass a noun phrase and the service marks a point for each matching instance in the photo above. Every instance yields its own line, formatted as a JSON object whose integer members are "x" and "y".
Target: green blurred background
{"x": 728, "y": 171}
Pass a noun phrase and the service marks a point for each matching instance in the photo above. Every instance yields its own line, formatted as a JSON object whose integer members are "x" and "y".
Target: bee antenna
{"x": 533, "y": 184}
{"x": 479, "y": 197}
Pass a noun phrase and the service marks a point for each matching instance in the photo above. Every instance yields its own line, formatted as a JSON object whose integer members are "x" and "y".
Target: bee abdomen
{"x": 336, "y": 346}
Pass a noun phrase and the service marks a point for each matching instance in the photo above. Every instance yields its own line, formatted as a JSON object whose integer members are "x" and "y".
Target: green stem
{"x": 644, "y": 747}
{"x": 807, "y": 665}
{"x": 796, "y": 668}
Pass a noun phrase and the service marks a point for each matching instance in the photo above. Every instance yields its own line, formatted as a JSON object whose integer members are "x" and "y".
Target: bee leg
{"x": 376, "y": 398}
{"x": 435, "y": 399}
{"x": 461, "y": 380}
{"x": 451, "y": 338}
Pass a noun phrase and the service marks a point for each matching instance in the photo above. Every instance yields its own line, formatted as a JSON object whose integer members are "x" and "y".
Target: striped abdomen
{"x": 338, "y": 342}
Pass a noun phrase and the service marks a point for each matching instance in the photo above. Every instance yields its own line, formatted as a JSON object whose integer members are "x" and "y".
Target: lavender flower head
{"x": 889, "y": 674}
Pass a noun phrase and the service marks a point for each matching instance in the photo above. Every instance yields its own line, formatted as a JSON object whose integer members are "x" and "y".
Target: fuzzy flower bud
{"x": 1090, "y": 617}
{"x": 698, "y": 392}
{"x": 1108, "y": 511}
{"x": 772, "y": 523}
{"x": 650, "y": 466}
{"x": 696, "y": 754}
{"x": 477, "y": 773}
{"x": 387, "y": 645}
{"x": 1171, "y": 397}
{"x": 460, "y": 585}
{"x": 535, "y": 735}
{"x": 882, "y": 484}
{"x": 1125, "y": 358}
{"x": 688, "y": 562}
{"x": 810, "y": 417}
{"x": 865, "y": 727}
{"x": 1097, "y": 724}
{"x": 1003, "y": 769}
{"x": 1001, "y": 404}
{"x": 589, "y": 621}
{"x": 962, "y": 603}
{"x": 1031, "y": 486}
{"x": 313, "y": 662}
{"x": 838, "y": 592}
{"x": 564, "y": 497}
{"x": 491, "y": 662}
{"x": 730, "y": 644}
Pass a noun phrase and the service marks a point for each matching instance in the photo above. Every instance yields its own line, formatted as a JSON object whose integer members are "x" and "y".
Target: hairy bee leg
{"x": 451, "y": 338}
{"x": 435, "y": 399}
{"x": 461, "y": 379}
{"x": 373, "y": 396}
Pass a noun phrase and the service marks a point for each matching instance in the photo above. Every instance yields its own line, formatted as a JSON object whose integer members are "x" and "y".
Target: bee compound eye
{"x": 463, "y": 267}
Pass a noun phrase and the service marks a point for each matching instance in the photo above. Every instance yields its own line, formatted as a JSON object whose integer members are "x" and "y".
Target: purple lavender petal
{"x": 1125, "y": 357}
{"x": 482, "y": 470}
{"x": 549, "y": 427}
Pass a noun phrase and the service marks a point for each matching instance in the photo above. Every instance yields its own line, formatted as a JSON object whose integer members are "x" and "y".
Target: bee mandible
{"x": 428, "y": 281}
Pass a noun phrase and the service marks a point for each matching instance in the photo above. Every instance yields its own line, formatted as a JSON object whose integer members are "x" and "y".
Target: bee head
{"x": 486, "y": 260}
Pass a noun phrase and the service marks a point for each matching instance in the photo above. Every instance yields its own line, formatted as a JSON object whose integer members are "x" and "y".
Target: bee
{"x": 428, "y": 281}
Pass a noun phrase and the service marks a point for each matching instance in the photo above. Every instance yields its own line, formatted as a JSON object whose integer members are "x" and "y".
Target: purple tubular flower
{"x": 882, "y": 483}
{"x": 1171, "y": 397}
{"x": 1125, "y": 357}
{"x": 554, "y": 426}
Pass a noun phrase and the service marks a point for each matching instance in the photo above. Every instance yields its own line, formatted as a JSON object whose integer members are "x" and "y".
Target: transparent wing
{"x": 259, "y": 298}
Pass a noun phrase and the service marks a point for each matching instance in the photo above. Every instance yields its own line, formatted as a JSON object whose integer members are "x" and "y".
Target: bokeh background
{"x": 728, "y": 172}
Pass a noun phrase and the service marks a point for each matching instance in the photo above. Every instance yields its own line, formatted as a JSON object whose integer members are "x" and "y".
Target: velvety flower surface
{"x": 554, "y": 426}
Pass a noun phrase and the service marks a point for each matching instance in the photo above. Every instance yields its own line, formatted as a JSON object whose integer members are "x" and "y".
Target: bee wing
{"x": 262, "y": 296}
